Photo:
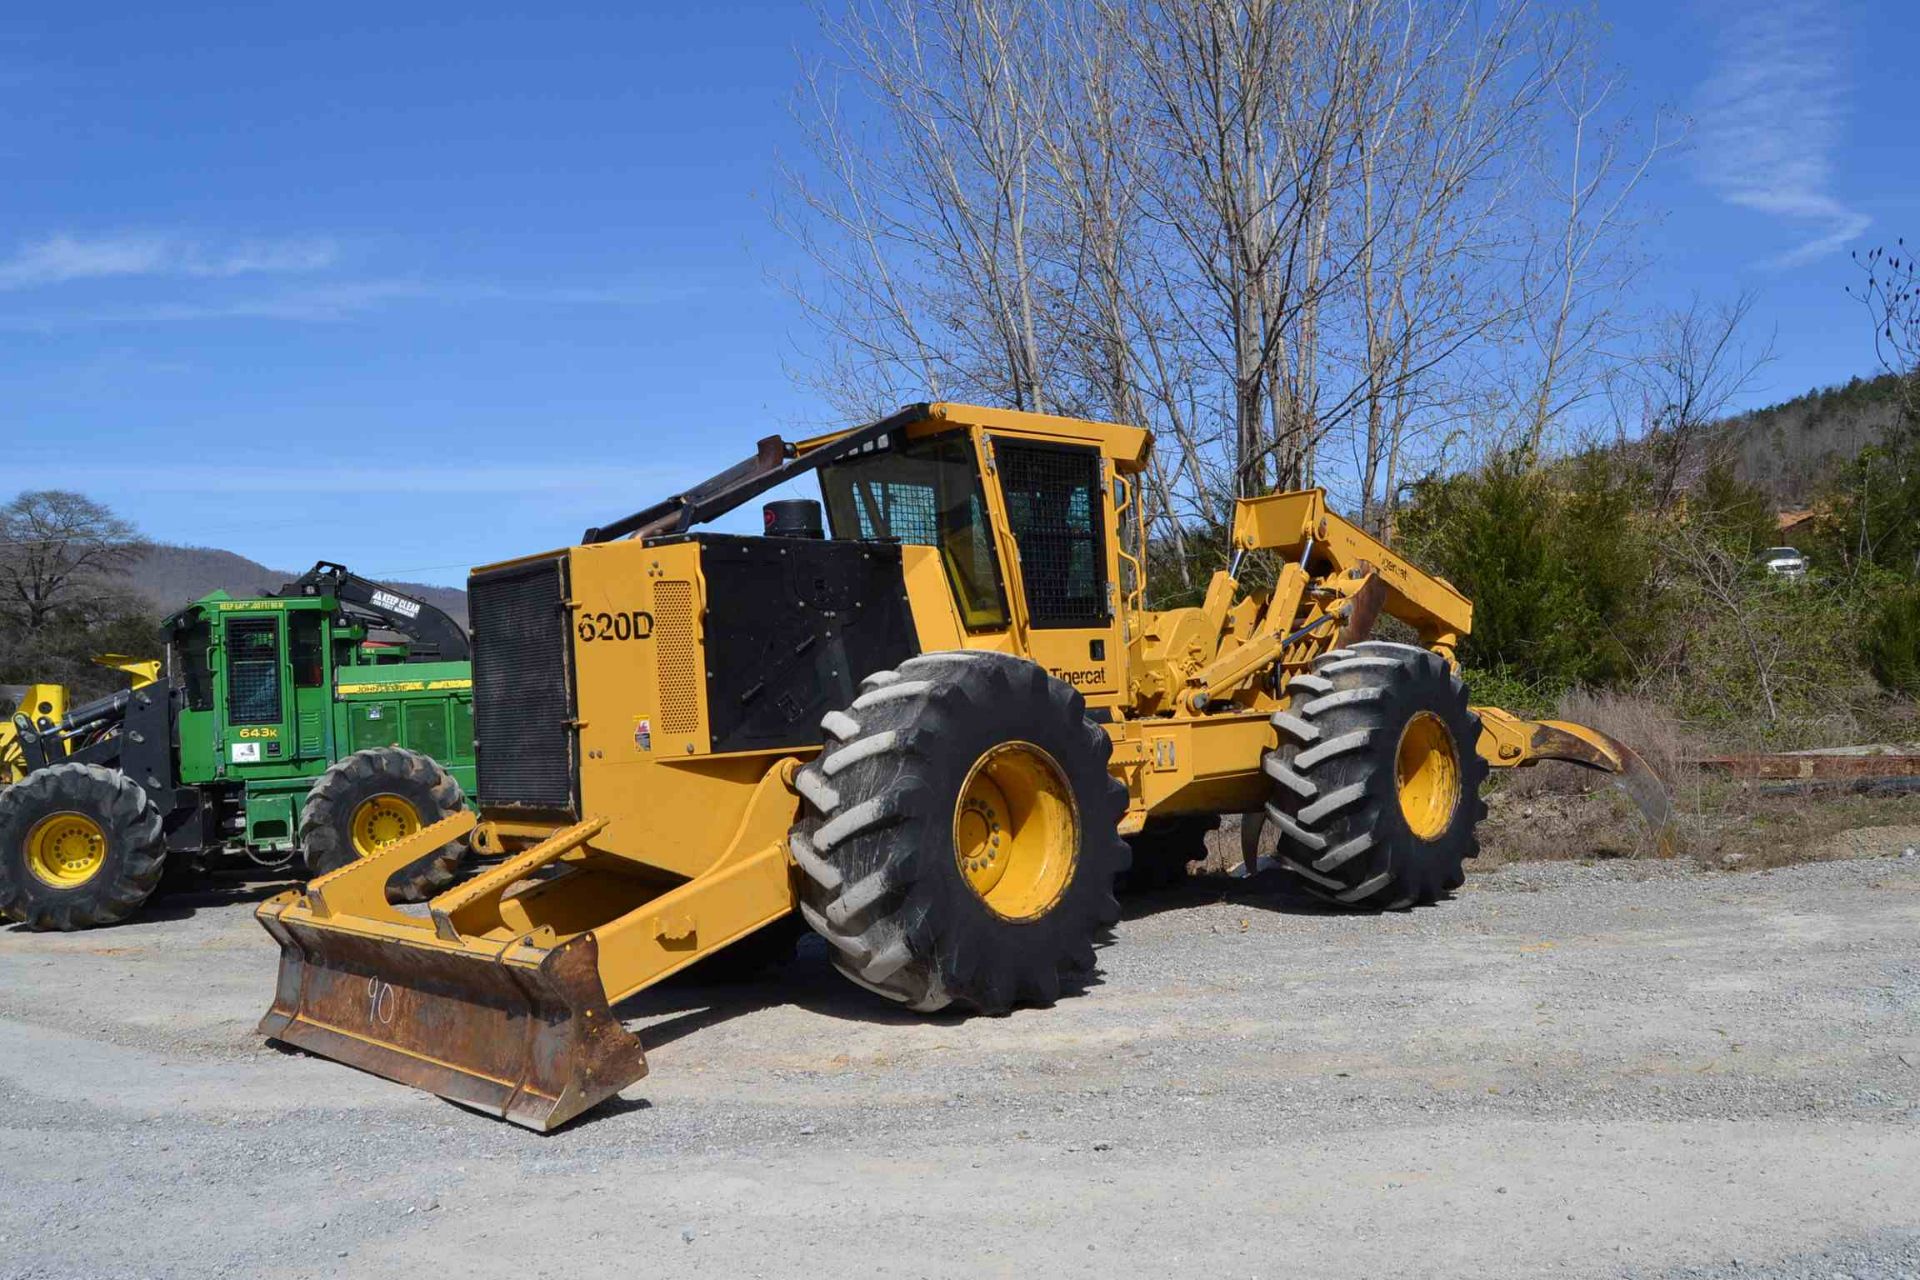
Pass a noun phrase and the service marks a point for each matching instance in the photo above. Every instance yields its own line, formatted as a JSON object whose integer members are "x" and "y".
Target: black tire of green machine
{"x": 326, "y": 835}
{"x": 136, "y": 848}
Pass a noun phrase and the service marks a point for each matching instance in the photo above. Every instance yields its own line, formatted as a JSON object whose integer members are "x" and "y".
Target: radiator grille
{"x": 679, "y": 657}
{"x": 522, "y": 690}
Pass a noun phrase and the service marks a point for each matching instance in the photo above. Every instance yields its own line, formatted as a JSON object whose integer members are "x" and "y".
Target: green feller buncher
{"x": 284, "y": 737}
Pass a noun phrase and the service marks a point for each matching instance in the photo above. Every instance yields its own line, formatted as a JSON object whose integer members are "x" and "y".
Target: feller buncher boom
{"x": 926, "y": 735}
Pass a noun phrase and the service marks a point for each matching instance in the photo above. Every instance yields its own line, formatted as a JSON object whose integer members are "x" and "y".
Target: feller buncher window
{"x": 925, "y": 492}
{"x": 309, "y": 653}
{"x": 253, "y": 671}
{"x": 196, "y": 664}
{"x": 1053, "y": 507}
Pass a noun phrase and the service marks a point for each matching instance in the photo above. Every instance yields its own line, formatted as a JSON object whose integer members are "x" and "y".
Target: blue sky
{"x": 418, "y": 287}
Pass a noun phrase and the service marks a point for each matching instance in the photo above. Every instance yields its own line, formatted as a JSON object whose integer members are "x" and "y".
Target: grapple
{"x": 1508, "y": 741}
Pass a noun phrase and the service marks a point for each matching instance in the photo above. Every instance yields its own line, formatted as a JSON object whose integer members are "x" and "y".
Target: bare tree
{"x": 1582, "y": 260}
{"x": 1442, "y": 129}
{"x": 1259, "y": 227}
{"x": 60, "y": 551}
{"x": 928, "y": 239}
{"x": 1891, "y": 294}
{"x": 1697, "y": 366}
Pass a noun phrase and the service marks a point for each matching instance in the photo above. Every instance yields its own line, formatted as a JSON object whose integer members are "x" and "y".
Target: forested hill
{"x": 1789, "y": 448}
{"x": 168, "y": 577}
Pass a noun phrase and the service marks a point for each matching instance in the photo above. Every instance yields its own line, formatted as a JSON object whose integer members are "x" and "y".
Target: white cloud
{"x": 334, "y": 301}
{"x": 1772, "y": 115}
{"x": 464, "y": 479}
{"x": 62, "y": 259}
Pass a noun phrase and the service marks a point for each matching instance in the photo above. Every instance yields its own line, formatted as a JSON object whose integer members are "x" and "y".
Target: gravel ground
{"x": 1627, "y": 1069}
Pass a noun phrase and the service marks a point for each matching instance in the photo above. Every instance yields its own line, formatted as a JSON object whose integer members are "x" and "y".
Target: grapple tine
{"x": 518, "y": 1030}
{"x": 1510, "y": 742}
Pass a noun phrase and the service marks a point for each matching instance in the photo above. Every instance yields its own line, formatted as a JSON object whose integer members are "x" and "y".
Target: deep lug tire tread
{"x": 874, "y": 841}
{"x": 1334, "y": 800}
{"x": 136, "y": 848}
{"x": 326, "y": 841}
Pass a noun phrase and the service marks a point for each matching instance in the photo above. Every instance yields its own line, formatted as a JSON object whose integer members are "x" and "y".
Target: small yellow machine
{"x": 928, "y": 735}
{"x": 46, "y": 704}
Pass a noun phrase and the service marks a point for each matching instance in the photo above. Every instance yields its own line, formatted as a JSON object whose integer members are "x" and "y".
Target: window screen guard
{"x": 253, "y": 671}
{"x": 1054, "y": 508}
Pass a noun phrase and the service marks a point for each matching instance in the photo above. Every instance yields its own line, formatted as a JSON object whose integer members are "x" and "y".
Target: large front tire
{"x": 959, "y": 834}
{"x": 372, "y": 799}
{"x": 1376, "y": 779}
{"x": 79, "y": 846}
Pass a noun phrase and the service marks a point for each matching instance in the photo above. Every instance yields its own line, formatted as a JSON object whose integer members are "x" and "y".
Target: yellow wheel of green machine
{"x": 66, "y": 849}
{"x": 369, "y": 801}
{"x": 79, "y": 846}
{"x": 380, "y": 821}
{"x": 958, "y": 840}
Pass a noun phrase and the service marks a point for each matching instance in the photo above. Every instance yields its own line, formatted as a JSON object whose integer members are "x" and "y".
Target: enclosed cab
{"x": 273, "y": 691}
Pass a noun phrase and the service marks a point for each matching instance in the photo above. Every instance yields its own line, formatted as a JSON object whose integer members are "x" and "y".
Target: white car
{"x": 1784, "y": 562}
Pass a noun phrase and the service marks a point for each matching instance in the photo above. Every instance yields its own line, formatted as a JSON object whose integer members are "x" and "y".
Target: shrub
{"x": 1891, "y": 640}
{"x": 1557, "y": 561}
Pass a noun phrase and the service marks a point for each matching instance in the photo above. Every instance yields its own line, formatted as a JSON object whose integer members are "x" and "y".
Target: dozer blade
{"x": 524, "y": 1034}
{"x": 512, "y": 1027}
{"x": 1507, "y": 740}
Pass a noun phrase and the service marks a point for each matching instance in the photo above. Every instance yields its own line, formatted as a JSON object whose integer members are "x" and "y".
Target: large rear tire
{"x": 959, "y": 834}
{"x": 1376, "y": 791}
{"x": 373, "y": 798}
{"x": 80, "y": 846}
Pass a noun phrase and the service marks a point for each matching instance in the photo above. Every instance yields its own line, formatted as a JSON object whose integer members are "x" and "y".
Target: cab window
{"x": 925, "y": 492}
{"x": 1056, "y": 515}
{"x": 253, "y": 671}
{"x": 304, "y": 637}
{"x": 193, "y": 655}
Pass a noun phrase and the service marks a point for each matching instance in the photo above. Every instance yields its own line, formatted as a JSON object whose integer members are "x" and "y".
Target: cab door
{"x": 1056, "y": 512}
{"x": 259, "y": 735}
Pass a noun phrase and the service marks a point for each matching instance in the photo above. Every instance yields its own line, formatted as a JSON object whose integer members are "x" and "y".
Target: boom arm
{"x": 436, "y": 635}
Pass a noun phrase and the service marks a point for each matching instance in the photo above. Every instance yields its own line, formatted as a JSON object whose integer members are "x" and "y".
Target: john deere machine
{"x": 286, "y": 732}
{"x": 927, "y": 735}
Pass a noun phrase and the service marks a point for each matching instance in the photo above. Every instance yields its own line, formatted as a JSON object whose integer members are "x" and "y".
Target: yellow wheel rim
{"x": 66, "y": 849}
{"x": 381, "y": 821}
{"x": 1016, "y": 833}
{"x": 1427, "y": 772}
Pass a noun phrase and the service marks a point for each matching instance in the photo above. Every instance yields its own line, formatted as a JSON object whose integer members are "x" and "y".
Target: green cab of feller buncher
{"x": 276, "y": 690}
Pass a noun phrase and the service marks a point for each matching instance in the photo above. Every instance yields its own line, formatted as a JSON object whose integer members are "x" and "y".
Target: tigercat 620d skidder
{"x": 928, "y": 735}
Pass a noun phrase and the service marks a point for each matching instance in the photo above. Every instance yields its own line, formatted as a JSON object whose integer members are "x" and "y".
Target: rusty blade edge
{"x": 558, "y": 1049}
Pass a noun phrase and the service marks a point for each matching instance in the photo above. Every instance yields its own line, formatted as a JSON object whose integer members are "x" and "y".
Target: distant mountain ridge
{"x": 168, "y": 577}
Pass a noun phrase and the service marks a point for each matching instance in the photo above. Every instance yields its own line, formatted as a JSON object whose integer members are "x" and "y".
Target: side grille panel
{"x": 522, "y": 687}
{"x": 679, "y": 657}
